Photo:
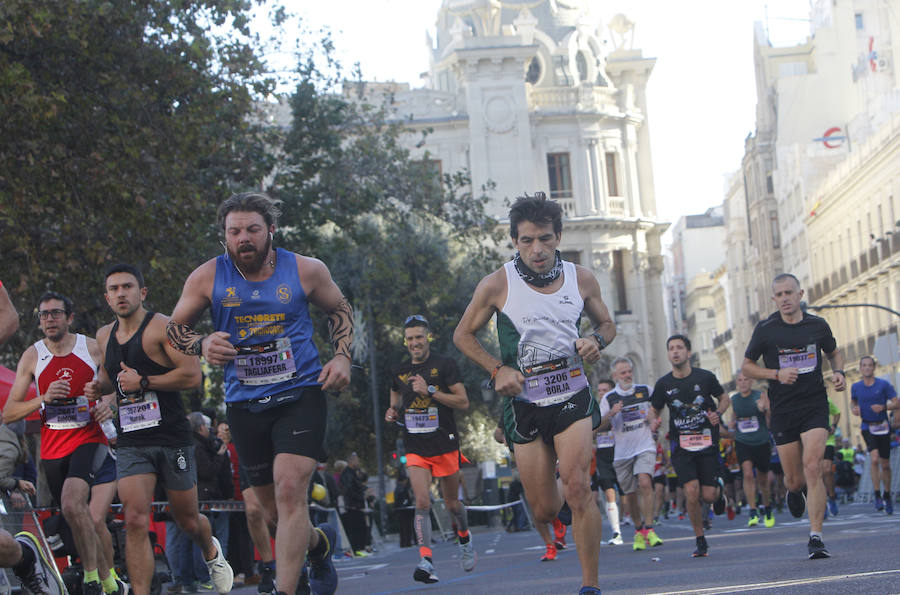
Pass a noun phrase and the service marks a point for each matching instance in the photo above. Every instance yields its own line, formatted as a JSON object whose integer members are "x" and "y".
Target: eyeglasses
{"x": 54, "y": 314}
{"x": 416, "y": 318}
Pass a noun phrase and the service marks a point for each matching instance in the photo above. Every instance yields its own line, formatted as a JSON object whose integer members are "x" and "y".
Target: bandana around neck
{"x": 538, "y": 279}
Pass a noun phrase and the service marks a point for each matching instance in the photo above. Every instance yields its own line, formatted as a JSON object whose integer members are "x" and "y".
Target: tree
{"x": 123, "y": 125}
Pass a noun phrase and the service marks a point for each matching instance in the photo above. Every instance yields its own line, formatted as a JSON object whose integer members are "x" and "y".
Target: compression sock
{"x": 27, "y": 561}
{"x": 885, "y": 495}
{"x": 422, "y": 524}
{"x": 612, "y": 513}
{"x": 109, "y": 584}
{"x": 91, "y": 576}
{"x": 462, "y": 523}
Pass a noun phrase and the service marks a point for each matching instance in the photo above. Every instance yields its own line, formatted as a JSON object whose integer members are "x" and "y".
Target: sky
{"x": 701, "y": 94}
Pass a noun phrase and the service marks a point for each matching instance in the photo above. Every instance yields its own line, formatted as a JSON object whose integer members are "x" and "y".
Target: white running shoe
{"x": 467, "y": 556}
{"x": 220, "y": 573}
{"x": 616, "y": 539}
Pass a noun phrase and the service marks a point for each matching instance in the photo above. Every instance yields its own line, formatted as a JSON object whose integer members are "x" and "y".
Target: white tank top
{"x": 534, "y": 327}
{"x": 45, "y": 358}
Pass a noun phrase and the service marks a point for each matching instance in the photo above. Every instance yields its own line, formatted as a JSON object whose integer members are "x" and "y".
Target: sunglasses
{"x": 416, "y": 318}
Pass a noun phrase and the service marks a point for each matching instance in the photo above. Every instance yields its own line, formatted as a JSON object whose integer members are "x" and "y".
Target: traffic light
{"x": 402, "y": 459}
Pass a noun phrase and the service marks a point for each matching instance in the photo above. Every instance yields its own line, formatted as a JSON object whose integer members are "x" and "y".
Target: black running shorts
{"x": 524, "y": 422}
{"x": 880, "y": 443}
{"x": 690, "y": 466}
{"x": 758, "y": 454}
{"x": 85, "y": 462}
{"x": 787, "y": 427}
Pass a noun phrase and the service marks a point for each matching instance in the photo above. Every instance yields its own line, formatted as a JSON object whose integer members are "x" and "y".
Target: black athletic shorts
{"x": 700, "y": 466}
{"x": 673, "y": 483}
{"x": 758, "y": 454}
{"x": 787, "y": 427}
{"x": 85, "y": 462}
{"x": 606, "y": 473}
{"x": 525, "y": 422}
{"x": 660, "y": 479}
{"x": 880, "y": 443}
{"x": 776, "y": 468}
{"x": 829, "y": 452}
{"x": 294, "y": 427}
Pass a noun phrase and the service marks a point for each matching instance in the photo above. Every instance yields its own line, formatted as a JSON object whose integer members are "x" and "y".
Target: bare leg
{"x": 749, "y": 483}
{"x": 136, "y": 494}
{"x": 813, "y": 451}
{"x": 875, "y": 466}
{"x": 258, "y": 525}
{"x": 294, "y": 535}
{"x": 75, "y": 494}
{"x": 692, "y": 502}
{"x": 101, "y": 497}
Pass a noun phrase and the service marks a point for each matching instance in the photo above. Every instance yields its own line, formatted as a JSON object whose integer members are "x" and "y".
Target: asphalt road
{"x": 865, "y": 548}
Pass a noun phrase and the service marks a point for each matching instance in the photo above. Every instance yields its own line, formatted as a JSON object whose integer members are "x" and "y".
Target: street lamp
{"x": 804, "y": 306}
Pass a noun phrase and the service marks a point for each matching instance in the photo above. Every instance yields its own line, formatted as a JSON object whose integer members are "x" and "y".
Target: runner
{"x": 751, "y": 410}
{"x": 659, "y": 478}
{"x": 275, "y": 386}
{"x": 23, "y": 553}
{"x": 696, "y": 402}
{"x": 776, "y": 476}
{"x": 729, "y": 468}
{"x": 791, "y": 343}
{"x": 828, "y": 461}
{"x": 80, "y": 470}
{"x": 870, "y": 398}
{"x": 635, "y": 449}
{"x": 605, "y": 455}
{"x": 424, "y": 393}
{"x": 154, "y": 442}
{"x": 538, "y": 299}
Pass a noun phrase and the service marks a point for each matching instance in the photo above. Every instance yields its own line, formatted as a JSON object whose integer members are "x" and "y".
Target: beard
{"x": 259, "y": 259}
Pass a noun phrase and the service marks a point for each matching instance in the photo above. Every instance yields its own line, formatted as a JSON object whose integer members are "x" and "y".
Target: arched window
{"x": 533, "y": 75}
{"x": 581, "y": 66}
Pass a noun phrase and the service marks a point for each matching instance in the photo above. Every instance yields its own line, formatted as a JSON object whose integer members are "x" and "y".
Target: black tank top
{"x": 174, "y": 428}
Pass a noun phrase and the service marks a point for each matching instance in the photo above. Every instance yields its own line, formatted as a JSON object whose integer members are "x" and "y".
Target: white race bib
{"x": 879, "y": 429}
{"x": 421, "y": 421}
{"x": 695, "y": 442}
{"x": 265, "y": 363}
{"x": 68, "y": 415}
{"x": 141, "y": 414}
{"x": 747, "y": 425}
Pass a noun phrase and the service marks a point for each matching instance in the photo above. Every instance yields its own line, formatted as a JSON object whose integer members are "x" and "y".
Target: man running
{"x": 275, "y": 386}
{"x": 605, "y": 455}
{"x": 828, "y": 462}
{"x": 80, "y": 471}
{"x": 791, "y": 343}
{"x": 870, "y": 399}
{"x": 696, "y": 402}
{"x": 751, "y": 410}
{"x": 635, "y": 448}
{"x": 538, "y": 299}
{"x": 23, "y": 553}
{"x": 140, "y": 376}
{"x": 424, "y": 393}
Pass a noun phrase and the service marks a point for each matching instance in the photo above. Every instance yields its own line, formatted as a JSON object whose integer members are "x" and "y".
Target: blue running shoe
{"x": 889, "y": 505}
{"x": 589, "y": 591}
{"x": 833, "y": 506}
{"x": 323, "y": 578}
{"x": 879, "y": 503}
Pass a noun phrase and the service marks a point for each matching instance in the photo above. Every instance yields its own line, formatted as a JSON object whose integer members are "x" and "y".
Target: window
{"x": 573, "y": 256}
{"x": 612, "y": 176}
{"x": 858, "y": 18}
{"x": 560, "y": 173}
{"x": 581, "y": 65}
{"x": 534, "y": 71}
{"x": 770, "y": 187}
{"x": 619, "y": 280}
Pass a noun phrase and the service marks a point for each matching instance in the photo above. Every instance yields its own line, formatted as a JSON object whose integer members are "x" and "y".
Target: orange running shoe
{"x": 559, "y": 533}
{"x": 550, "y": 554}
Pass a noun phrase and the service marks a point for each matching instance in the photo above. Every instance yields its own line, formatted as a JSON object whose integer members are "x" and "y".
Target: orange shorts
{"x": 439, "y": 465}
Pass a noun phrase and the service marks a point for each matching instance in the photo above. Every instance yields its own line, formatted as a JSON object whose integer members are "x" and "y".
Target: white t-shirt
{"x": 630, "y": 425}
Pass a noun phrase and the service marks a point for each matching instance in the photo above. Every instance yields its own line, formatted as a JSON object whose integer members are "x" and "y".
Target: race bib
{"x": 421, "y": 421}
{"x": 695, "y": 442}
{"x": 802, "y": 358}
{"x": 139, "y": 413}
{"x": 67, "y": 414}
{"x": 879, "y": 429}
{"x": 265, "y": 363}
{"x": 606, "y": 440}
{"x": 552, "y": 382}
{"x": 633, "y": 418}
{"x": 747, "y": 424}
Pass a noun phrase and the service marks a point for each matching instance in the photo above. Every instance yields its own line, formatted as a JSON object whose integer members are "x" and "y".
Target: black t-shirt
{"x": 798, "y": 345}
{"x": 689, "y": 399}
{"x": 429, "y": 426}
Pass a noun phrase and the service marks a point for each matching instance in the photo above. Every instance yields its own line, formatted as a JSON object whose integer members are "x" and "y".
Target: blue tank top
{"x": 270, "y": 327}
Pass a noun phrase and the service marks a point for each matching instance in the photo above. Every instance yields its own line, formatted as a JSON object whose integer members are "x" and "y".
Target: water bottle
{"x": 109, "y": 429}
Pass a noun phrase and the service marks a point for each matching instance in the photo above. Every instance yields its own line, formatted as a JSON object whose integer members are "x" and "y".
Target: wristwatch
{"x": 841, "y": 372}
{"x": 145, "y": 383}
{"x": 432, "y": 389}
{"x": 600, "y": 340}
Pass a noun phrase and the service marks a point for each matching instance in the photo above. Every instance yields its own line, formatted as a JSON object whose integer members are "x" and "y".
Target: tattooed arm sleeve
{"x": 185, "y": 339}
{"x": 340, "y": 327}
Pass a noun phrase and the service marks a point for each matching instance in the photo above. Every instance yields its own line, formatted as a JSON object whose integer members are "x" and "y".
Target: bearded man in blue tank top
{"x": 549, "y": 411}
{"x": 259, "y": 300}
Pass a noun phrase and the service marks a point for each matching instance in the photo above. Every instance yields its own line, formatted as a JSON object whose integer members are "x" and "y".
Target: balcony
{"x": 873, "y": 256}
{"x": 616, "y": 206}
{"x": 854, "y": 268}
{"x": 811, "y": 293}
{"x": 817, "y": 290}
{"x": 895, "y": 242}
{"x": 568, "y": 206}
{"x": 826, "y": 285}
{"x": 843, "y": 275}
{"x": 721, "y": 339}
{"x": 582, "y": 99}
{"x": 863, "y": 263}
{"x": 835, "y": 280}
{"x": 885, "y": 245}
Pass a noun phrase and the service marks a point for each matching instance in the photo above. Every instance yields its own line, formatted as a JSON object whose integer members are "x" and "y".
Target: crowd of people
{"x": 113, "y": 423}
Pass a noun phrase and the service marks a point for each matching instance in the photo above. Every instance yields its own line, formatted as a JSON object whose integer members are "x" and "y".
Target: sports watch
{"x": 432, "y": 389}
{"x": 600, "y": 340}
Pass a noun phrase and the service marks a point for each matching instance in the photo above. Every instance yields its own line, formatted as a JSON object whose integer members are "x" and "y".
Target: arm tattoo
{"x": 340, "y": 327}
{"x": 184, "y": 338}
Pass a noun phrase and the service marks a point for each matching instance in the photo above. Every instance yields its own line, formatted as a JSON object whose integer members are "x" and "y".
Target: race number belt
{"x": 139, "y": 412}
{"x": 696, "y": 441}
{"x": 67, "y": 414}
{"x": 553, "y": 382}
{"x": 747, "y": 424}
{"x": 606, "y": 440}
{"x": 421, "y": 421}
{"x": 802, "y": 358}
{"x": 879, "y": 429}
{"x": 265, "y": 363}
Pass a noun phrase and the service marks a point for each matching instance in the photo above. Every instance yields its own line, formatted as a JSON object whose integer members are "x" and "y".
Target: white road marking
{"x": 779, "y": 584}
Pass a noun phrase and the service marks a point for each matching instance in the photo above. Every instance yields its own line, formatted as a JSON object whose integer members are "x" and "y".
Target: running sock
{"x": 91, "y": 576}
{"x": 462, "y": 519}
{"x": 815, "y": 534}
{"x": 321, "y": 548}
{"x": 109, "y": 584}
{"x": 885, "y": 495}
{"x": 422, "y": 524}
{"x": 425, "y": 552}
{"x": 112, "y": 574}
{"x": 463, "y": 536}
{"x": 612, "y": 513}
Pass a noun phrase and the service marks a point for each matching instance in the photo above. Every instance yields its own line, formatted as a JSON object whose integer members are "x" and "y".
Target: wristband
{"x": 494, "y": 373}
{"x": 841, "y": 372}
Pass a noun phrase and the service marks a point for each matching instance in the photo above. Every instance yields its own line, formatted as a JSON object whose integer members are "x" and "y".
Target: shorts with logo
{"x": 290, "y": 422}
{"x": 758, "y": 454}
{"x": 787, "y": 427}
{"x": 880, "y": 443}
{"x": 628, "y": 469}
{"x": 524, "y": 422}
{"x": 90, "y": 462}
{"x": 441, "y": 465}
{"x": 174, "y": 466}
{"x": 700, "y": 466}
{"x": 606, "y": 472}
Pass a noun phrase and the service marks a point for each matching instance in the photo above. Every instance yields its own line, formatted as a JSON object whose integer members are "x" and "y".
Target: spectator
{"x": 404, "y": 509}
{"x": 354, "y": 491}
{"x": 519, "y": 521}
{"x": 844, "y": 477}
{"x": 240, "y": 545}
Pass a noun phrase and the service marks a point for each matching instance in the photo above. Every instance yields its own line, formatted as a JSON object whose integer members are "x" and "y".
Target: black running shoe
{"x": 796, "y": 502}
{"x": 817, "y": 548}
{"x": 721, "y": 502}
{"x": 702, "y": 550}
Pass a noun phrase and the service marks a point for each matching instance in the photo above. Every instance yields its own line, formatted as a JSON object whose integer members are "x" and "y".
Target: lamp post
{"x": 805, "y": 306}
